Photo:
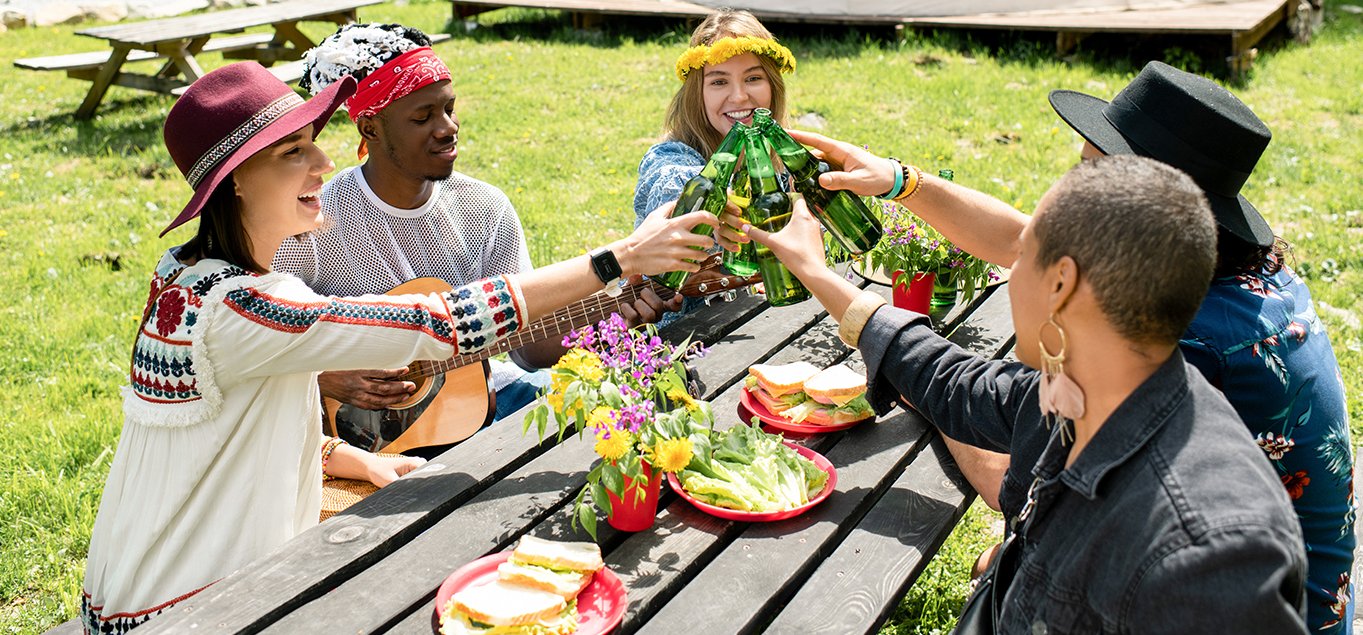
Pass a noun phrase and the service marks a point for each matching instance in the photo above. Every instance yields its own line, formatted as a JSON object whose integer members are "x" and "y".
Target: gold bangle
{"x": 913, "y": 179}
{"x": 857, "y": 314}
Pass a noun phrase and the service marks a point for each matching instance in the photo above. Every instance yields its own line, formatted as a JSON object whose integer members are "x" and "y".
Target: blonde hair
{"x": 686, "y": 120}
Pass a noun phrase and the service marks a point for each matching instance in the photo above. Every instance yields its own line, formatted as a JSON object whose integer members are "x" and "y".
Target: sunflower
{"x": 614, "y": 446}
{"x": 672, "y": 455}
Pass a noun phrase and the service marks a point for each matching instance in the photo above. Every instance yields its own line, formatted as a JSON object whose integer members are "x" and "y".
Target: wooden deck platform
{"x": 1243, "y": 22}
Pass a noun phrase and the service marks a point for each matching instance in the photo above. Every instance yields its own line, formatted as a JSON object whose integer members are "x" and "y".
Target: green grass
{"x": 558, "y": 119}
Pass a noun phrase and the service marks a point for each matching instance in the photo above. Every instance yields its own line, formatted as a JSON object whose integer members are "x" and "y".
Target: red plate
{"x": 757, "y": 517}
{"x": 600, "y": 606}
{"x": 750, "y": 406}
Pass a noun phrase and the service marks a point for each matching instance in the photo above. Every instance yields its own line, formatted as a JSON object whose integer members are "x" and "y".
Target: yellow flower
{"x": 600, "y": 417}
{"x": 585, "y": 363}
{"x": 613, "y": 448}
{"x": 723, "y": 49}
{"x": 672, "y": 455}
{"x": 679, "y": 395}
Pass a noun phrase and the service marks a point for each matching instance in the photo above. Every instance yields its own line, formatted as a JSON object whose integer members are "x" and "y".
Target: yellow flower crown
{"x": 724, "y": 48}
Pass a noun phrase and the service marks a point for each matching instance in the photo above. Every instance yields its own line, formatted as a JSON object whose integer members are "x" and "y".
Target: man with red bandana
{"x": 405, "y": 212}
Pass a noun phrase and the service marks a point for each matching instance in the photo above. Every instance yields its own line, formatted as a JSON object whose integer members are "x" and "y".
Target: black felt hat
{"x": 1188, "y": 122}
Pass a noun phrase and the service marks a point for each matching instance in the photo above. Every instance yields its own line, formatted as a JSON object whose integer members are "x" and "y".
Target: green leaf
{"x": 586, "y": 514}
{"x": 613, "y": 478}
{"x": 599, "y": 496}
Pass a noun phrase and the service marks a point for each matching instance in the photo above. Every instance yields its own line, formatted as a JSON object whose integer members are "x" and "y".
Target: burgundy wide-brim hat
{"x": 1185, "y": 121}
{"x": 232, "y": 113}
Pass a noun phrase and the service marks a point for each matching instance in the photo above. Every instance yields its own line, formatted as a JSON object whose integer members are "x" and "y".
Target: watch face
{"x": 605, "y": 265}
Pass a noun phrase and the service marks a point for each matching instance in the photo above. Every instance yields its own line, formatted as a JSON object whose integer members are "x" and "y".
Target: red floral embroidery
{"x": 169, "y": 310}
{"x": 493, "y": 301}
{"x": 488, "y": 287}
{"x": 1296, "y": 484}
{"x": 498, "y": 317}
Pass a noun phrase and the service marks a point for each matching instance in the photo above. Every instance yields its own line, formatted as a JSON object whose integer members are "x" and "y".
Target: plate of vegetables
{"x": 754, "y": 476}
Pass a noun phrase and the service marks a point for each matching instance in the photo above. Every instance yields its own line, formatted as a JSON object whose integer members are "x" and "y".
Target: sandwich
{"x": 504, "y": 608}
{"x": 779, "y": 387}
{"x": 562, "y": 568}
{"x": 535, "y": 593}
{"x": 834, "y": 396}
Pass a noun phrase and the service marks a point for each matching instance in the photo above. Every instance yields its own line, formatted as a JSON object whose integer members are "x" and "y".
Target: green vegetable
{"x": 750, "y": 470}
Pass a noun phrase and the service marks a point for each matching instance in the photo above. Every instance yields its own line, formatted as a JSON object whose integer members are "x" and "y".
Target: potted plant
{"x": 627, "y": 389}
{"x": 926, "y": 271}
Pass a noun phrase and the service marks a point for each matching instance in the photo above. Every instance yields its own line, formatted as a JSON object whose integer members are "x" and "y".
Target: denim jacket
{"x": 1169, "y": 521}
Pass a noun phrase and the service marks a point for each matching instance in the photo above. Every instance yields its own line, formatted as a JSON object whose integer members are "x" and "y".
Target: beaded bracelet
{"x": 915, "y": 180}
{"x": 331, "y": 445}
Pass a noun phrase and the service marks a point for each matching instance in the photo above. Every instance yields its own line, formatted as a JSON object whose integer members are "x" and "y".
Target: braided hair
{"x": 357, "y": 50}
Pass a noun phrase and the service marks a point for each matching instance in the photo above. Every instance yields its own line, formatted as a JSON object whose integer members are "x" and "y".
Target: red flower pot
{"x": 631, "y": 514}
{"x": 917, "y": 297}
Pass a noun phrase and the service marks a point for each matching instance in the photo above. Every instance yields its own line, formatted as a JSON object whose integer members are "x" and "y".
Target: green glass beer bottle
{"x": 770, "y": 211}
{"x": 842, "y": 213}
{"x": 707, "y": 191}
{"x": 744, "y": 261}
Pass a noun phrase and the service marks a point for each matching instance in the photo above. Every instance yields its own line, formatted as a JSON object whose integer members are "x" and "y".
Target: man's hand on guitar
{"x": 649, "y": 308}
{"x": 369, "y": 389}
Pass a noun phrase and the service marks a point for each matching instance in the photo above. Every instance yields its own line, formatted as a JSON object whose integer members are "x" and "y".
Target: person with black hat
{"x": 221, "y": 457}
{"x": 1256, "y": 336}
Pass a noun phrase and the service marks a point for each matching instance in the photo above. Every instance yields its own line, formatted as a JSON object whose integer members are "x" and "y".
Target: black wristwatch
{"x": 607, "y": 268}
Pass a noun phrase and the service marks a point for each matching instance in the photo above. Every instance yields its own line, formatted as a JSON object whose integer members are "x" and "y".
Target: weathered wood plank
{"x": 152, "y": 31}
{"x": 756, "y": 573}
{"x": 738, "y": 608}
{"x": 405, "y": 580}
{"x": 1210, "y": 18}
{"x": 69, "y": 627}
{"x": 857, "y": 587}
{"x": 95, "y": 59}
{"x": 326, "y": 556}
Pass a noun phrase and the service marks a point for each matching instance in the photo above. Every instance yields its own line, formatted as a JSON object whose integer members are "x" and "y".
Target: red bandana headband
{"x": 402, "y": 75}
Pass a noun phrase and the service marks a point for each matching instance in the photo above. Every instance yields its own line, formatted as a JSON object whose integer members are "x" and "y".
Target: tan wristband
{"x": 856, "y": 316}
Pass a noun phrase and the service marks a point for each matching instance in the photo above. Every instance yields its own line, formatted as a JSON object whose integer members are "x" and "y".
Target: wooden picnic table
{"x": 176, "y": 41}
{"x": 841, "y": 567}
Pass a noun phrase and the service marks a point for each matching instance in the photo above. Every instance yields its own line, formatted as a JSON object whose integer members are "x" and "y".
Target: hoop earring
{"x": 1058, "y": 393}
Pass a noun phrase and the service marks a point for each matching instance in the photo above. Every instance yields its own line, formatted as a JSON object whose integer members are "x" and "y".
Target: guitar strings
{"x": 559, "y": 322}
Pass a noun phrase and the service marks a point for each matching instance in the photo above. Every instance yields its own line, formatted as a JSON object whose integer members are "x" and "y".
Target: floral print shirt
{"x": 1258, "y": 340}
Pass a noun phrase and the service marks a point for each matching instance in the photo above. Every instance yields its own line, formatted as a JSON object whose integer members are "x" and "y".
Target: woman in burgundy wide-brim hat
{"x": 221, "y": 459}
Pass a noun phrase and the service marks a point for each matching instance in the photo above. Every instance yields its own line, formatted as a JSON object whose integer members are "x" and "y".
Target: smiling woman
{"x": 221, "y": 458}
{"x": 734, "y": 66}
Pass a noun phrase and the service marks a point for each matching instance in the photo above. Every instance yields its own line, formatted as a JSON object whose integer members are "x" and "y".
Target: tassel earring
{"x": 1058, "y": 393}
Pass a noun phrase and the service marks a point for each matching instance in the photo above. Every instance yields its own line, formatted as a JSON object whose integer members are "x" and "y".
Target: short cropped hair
{"x": 1143, "y": 237}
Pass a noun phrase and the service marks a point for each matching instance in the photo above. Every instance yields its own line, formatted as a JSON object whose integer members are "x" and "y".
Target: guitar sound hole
{"x": 373, "y": 430}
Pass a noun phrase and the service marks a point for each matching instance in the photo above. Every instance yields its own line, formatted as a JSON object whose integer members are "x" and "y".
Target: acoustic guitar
{"x": 454, "y": 398}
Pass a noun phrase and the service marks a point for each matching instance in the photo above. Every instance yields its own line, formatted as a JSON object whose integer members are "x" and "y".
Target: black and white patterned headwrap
{"x": 357, "y": 50}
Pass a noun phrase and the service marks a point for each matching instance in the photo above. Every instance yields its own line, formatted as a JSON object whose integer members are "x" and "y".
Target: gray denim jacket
{"x": 1169, "y": 521}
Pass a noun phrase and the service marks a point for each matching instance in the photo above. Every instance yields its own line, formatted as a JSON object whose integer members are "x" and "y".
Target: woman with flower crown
{"x": 733, "y": 67}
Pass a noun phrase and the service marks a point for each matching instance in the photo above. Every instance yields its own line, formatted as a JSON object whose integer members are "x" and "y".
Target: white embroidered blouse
{"x": 218, "y": 462}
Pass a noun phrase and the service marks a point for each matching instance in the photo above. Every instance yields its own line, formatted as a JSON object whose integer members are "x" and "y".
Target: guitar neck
{"x": 557, "y": 324}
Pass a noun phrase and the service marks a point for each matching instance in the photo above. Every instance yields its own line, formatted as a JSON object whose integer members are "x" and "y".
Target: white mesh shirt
{"x": 467, "y": 230}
